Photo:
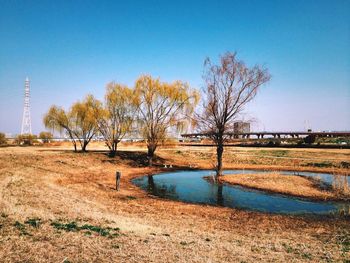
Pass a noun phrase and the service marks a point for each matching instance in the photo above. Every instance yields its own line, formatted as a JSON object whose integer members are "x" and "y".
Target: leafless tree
{"x": 229, "y": 86}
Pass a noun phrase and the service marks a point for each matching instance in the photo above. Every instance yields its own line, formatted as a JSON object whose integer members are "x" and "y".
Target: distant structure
{"x": 241, "y": 127}
{"x": 26, "y": 121}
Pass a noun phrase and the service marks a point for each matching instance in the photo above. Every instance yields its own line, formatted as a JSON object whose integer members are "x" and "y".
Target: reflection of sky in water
{"x": 189, "y": 186}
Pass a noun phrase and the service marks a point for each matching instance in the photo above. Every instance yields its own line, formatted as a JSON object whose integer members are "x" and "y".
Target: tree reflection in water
{"x": 220, "y": 196}
{"x": 343, "y": 209}
{"x": 163, "y": 190}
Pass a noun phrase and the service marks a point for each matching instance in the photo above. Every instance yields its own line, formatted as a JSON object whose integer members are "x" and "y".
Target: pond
{"x": 190, "y": 186}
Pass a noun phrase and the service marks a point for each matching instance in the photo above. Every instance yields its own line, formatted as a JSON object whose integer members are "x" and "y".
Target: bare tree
{"x": 229, "y": 86}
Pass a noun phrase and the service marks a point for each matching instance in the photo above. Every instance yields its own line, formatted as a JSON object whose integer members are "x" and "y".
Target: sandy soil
{"x": 293, "y": 185}
{"x": 44, "y": 189}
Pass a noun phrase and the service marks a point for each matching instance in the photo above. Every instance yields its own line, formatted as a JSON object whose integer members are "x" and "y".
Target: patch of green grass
{"x": 130, "y": 197}
{"x": 280, "y": 153}
{"x": 277, "y": 153}
{"x": 306, "y": 255}
{"x": 34, "y": 222}
{"x": 288, "y": 248}
{"x": 343, "y": 239}
{"x": 21, "y": 227}
{"x": 100, "y": 230}
{"x": 88, "y": 229}
{"x": 72, "y": 226}
{"x": 297, "y": 251}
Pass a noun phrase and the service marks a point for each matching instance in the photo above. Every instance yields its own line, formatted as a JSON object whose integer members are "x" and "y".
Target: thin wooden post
{"x": 117, "y": 180}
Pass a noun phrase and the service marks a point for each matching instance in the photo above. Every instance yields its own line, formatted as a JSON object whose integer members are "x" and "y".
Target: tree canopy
{"x": 162, "y": 105}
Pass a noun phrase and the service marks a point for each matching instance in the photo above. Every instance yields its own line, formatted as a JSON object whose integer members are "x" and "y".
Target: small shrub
{"x": 46, "y": 137}
{"x": 345, "y": 164}
{"x": 310, "y": 139}
{"x": 26, "y": 139}
{"x": 3, "y": 140}
{"x": 321, "y": 164}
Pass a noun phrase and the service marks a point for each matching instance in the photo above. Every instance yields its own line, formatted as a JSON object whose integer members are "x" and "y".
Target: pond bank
{"x": 292, "y": 185}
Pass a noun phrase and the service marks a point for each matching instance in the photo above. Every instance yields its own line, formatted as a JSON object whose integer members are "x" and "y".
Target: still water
{"x": 189, "y": 186}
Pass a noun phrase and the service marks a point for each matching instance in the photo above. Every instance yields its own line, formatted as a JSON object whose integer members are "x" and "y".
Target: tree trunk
{"x": 83, "y": 147}
{"x": 151, "y": 186}
{"x": 220, "y": 196}
{"x": 75, "y": 146}
{"x": 150, "y": 154}
{"x": 219, "y": 153}
{"x": 113, "y": 150}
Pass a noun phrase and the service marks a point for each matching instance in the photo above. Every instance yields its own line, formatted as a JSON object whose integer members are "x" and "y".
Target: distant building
{"x": 241, "y": 127}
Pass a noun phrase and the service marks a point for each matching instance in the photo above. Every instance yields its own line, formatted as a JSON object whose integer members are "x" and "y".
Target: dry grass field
{"x": 294, "y": 185}
{"x": 60, "y": 206}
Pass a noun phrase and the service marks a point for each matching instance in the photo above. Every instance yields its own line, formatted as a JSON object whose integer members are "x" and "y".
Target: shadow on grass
{"x": 132, "y": 158}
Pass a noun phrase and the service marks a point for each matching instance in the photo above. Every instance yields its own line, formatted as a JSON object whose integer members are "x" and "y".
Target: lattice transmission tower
{"x": 26, "y": 121}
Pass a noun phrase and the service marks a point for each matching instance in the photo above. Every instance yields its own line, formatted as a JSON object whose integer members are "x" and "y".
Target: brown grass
{"x": 59, "y": 187}
{"x": 293, "y": 185}
{"x": 340, "y": 185}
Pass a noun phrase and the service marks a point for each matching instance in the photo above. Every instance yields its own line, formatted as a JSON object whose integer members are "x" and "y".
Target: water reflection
{"x": 189, "y": 186}
{"x": 160, "y": 190}
{"x": 220, "y": 196}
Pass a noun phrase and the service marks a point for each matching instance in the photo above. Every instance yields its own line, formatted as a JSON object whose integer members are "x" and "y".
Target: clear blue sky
{"x": 71, "y": 48}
